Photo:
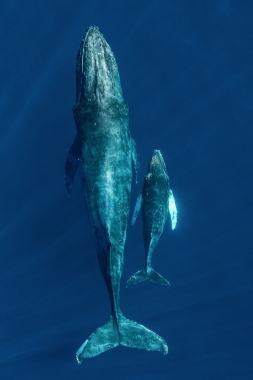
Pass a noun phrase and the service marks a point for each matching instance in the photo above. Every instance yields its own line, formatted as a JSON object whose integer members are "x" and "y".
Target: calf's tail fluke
{"x": 151, "y": 275}
{"x": 123, "y": 332}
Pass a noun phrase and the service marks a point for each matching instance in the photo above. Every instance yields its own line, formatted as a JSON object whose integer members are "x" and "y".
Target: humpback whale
{"x": 157, "y": 201}
{"x": 103, "y": 151}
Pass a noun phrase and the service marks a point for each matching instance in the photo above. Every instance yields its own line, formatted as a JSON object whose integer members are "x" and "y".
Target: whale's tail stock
{"x": 143, "y": 275}
{"x": 121, "y": 332}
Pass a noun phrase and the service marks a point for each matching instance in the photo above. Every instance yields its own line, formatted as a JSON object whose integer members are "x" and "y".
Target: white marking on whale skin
{"x": 109, "y": 193}
{"x": 109, "y": 181}
{"x": 107, "y": 196}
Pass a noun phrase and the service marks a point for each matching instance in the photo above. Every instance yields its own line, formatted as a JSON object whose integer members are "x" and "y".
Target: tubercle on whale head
{"x": 157, "y": 165}
{"x": 97, "y": 76}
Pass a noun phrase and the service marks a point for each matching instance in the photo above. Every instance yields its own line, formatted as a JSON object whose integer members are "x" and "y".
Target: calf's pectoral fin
{"x": 72, "y": 163}
{"x": 172, "y": 210}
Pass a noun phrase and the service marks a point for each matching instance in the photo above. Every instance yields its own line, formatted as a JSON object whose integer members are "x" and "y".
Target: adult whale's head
{"x": 97, "y": 76}
{"x": 157, "y": 165}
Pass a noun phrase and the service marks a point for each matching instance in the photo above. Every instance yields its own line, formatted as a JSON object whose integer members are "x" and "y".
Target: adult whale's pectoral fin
{"x": 72, "y": 163}
{"x": 137, "y": 208}
{"x": 172, "y": 210}
{"x": 102, "y": 339}
{"x": 134, "y": 335}
{"x": 135, "y": 158}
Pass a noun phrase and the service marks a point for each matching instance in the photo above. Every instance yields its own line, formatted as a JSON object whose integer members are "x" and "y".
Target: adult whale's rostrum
{"x": 157, "y": 202}
{"x": 103, "y": 150}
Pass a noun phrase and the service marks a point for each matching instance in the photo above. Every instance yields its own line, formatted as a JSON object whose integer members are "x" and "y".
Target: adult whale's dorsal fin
{"x": 172, "y": 210}
{"x": 72, "y": 163}
{"x": 137, "y": 208}
{"x": 135, "y": 158}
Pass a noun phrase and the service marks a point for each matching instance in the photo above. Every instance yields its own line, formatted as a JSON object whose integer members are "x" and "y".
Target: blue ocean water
{"x": 186, "y": 72}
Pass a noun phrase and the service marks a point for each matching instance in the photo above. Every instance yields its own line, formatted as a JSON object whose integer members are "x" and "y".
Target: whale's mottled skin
{"x": 157, "y": 202}
{"x": 103, "y": 150}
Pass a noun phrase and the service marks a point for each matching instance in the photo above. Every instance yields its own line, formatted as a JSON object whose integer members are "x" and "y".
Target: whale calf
{"x": 157, "y": 201}
{"x": 103, "y": 151}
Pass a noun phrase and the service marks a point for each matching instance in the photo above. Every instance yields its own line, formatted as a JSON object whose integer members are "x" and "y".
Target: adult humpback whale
{"x": 103, "y": 150}
{"x": 157, "y": 201}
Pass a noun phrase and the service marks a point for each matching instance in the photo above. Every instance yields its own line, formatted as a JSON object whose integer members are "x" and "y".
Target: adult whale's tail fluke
{"x": 151, "y": 275}
{"x": 123, "y": 332}
{"x": 102, "y": 339}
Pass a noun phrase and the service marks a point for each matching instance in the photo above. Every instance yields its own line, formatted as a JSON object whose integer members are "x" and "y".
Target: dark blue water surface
{"x": 186, "y": 72}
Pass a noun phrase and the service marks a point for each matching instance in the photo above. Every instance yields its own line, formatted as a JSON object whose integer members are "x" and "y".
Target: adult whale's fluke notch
{"x": 103, "y": 151}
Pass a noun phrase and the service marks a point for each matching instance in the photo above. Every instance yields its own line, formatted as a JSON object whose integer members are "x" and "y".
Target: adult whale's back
{"x": 103, "y": 150}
